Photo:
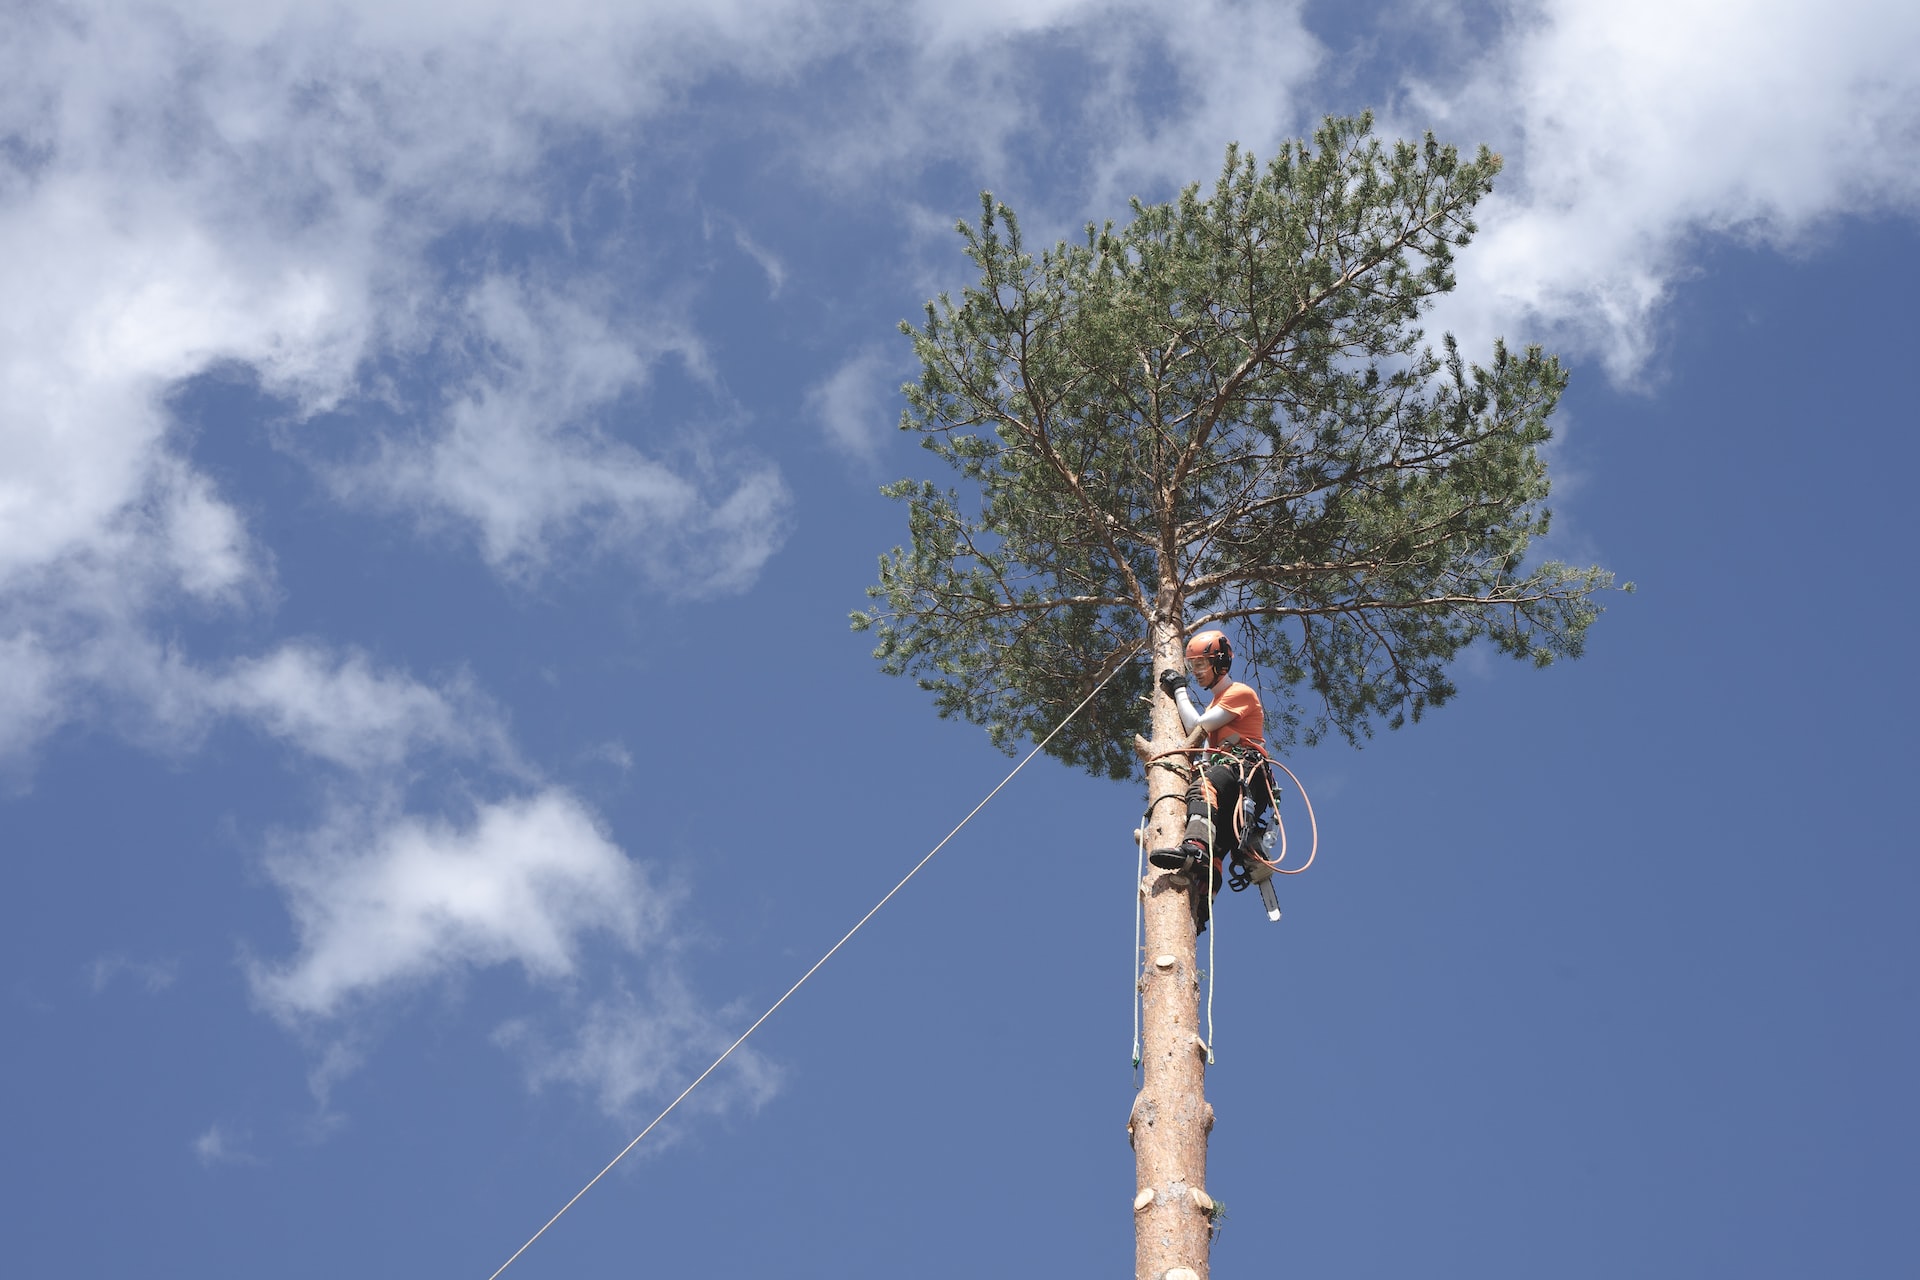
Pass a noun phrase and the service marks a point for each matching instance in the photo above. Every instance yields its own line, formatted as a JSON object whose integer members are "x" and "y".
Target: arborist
{"x": 1235, "y": 764}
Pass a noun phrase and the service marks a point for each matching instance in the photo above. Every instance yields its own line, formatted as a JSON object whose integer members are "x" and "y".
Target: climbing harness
{"x": 1254, "y": 838}
{"x": 1257, "y": 826}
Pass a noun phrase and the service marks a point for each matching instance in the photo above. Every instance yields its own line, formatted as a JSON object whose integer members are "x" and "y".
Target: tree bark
{"x": 1171, "y": 1119}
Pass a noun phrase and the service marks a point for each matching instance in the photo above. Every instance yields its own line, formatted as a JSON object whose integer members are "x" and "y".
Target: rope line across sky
{"x": 873, "y": 911}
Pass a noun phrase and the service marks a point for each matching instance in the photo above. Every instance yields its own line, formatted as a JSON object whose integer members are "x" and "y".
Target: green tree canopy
{"x": 1226, "y": 410}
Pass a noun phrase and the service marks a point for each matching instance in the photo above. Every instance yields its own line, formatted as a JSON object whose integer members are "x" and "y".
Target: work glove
{"x": 1172, "y": 682}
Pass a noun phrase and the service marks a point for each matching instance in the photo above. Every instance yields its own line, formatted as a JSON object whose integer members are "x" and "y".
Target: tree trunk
{"x": 1172, "y": 1219}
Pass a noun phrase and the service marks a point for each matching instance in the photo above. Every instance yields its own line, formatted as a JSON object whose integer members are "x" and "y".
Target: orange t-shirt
{"x": 1249, "y": 721}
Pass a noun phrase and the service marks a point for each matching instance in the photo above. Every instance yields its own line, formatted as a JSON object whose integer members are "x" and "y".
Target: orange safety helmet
{"x": 1214, "y": 647}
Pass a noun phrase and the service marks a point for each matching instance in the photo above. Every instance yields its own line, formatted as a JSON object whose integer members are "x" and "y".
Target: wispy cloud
{"x": 391, "y": 907}
{"x": 219, "y": 1145}
{"x": 855, "y": 404}
{"x": 324, "y": 704}
{"x": 612, "y": 752}
{"x": 30, "y": 702}
{"x": 341, "y": 708}
{"x": 766, "y": 259}
{"x": 632, "y": 1048}
{"x": 151, "y": 976}
{"x": 525, "y": 458}
{"x": 386, "y": 903}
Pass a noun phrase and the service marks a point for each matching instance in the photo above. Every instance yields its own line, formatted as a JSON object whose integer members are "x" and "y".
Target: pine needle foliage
{"x": 1226, "y": 411}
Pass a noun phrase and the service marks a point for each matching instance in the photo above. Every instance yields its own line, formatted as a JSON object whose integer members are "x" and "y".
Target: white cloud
{"x": 1241, "y": 72}
{"x": 86, "y": 658}
{"x": 855, "y": 405}
{"x": 529, "y": 490}
{"x": 218, "y": 1146}
{"x": 386, "y": 906}
{"x": 383, "y": 904}
{"x": 344, "y": 710}
{"x": 30, "y": 704}
{"x": 522, "y": 458}
{"x": 611, "y": 752}
{"x": 188, "y": 187}
{"x": 1637, "y": 132}
{"x": 153, "y": 976}
{"x": 342, "y": 1055}
{"x": 107, "y": 307}
{"x": 627, "y": 1049}
{"x": 1157, "y": 91}
{"x": 766, "y": 259}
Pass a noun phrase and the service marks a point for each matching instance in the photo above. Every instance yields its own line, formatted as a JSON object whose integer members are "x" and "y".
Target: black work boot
{"x": 1189, "y": 854}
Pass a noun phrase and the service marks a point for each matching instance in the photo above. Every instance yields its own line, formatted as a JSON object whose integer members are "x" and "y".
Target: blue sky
{"x": 439, "y": 448}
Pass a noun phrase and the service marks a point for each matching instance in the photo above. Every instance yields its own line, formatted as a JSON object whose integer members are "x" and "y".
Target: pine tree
{"x": 1224, "y": 411}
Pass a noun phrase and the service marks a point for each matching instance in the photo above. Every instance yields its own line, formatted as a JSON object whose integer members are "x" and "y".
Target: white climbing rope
{"x": 1139, "y": 909}
{"x": 1213, "y": 929}
{"x": 1206, "y": 887}
{"x": 728, "y": 1051}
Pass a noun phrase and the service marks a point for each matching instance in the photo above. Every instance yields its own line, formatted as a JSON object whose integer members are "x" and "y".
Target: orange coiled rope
{"x": 1313, "y": 847}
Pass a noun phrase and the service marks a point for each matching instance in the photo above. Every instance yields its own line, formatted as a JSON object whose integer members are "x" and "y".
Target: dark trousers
{"x": 1215, "y": 794}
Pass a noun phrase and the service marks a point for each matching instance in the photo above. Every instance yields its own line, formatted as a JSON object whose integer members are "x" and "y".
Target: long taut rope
{"x": 1040, "y": 746}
